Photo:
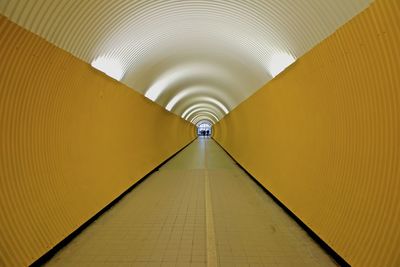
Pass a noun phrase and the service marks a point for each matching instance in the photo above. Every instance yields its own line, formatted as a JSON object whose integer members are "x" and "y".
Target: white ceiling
{"x": 206, "y": 56}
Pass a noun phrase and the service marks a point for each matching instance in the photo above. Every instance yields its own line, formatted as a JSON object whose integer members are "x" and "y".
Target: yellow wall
{"x": 71, "y": 141}
{"x": 324, "y": 137}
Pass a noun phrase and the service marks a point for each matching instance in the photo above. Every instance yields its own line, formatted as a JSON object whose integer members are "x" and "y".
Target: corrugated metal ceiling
{"x": 194, "y": 57}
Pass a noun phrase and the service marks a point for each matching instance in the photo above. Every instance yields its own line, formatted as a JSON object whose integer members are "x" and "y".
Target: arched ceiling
{"x": 209, "y": 55}
{"x": 204, "y": 122}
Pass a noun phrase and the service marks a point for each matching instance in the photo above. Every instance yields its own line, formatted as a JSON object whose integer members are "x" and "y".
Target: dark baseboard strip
{"x": 339, "y": 260}
{"x": 48, "y": 255}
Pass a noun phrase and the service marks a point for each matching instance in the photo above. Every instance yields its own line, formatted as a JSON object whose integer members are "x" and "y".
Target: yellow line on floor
{"x": 211, "y": 242}
{"x": 211, "y": 247}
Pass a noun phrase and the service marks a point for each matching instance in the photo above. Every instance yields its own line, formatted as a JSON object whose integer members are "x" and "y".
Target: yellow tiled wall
{"x": 324, "y": 137}
{"x": 71, "y": 141}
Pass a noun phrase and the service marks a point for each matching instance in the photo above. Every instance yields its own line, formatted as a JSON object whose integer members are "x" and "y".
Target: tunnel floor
{"x": 199, "y": 209}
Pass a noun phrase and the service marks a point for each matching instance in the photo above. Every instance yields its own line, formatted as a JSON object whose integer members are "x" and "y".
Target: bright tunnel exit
{"x": 204, "y": 128}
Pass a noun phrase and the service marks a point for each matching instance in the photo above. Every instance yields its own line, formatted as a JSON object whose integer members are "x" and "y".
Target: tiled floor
{"x": 199, "y": 209}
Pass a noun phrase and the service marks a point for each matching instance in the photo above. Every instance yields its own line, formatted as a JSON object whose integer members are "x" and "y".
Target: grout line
{"x": 210, "y": 230}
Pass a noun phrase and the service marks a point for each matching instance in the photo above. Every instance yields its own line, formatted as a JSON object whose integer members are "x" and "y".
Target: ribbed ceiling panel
{"x": 220, "y": 49}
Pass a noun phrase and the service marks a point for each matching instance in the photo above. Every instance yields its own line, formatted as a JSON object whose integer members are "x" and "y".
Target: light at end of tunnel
{"x": 110, "y": 66}
{"x": 279, "y": 62}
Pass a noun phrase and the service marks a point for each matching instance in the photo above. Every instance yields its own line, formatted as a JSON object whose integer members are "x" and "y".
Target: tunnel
{"x": 200, "y": 133}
